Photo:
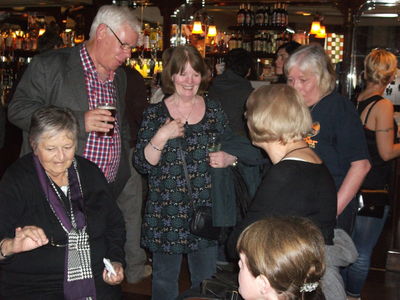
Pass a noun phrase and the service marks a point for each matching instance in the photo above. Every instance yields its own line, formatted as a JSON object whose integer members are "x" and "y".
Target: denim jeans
{"x": 365, "y": 236}
{"x": 166, "y": 269}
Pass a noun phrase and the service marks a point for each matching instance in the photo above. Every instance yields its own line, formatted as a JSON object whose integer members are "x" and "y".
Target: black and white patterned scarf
{"x": 78, "y": 276}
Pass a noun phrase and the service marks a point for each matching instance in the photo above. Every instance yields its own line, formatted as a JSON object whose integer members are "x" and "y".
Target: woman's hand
{"x": 114, "y": 279}
{"x": 171, "y": 129}
{"x": 26, "y": 238}
{"x": 221, "y": 159}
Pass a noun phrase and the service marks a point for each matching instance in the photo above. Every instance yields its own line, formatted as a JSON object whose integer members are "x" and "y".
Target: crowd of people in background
{"x": 280, "y": 166}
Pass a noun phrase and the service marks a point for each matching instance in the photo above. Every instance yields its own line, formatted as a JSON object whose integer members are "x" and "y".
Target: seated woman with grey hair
{"x": 58, "y": 219}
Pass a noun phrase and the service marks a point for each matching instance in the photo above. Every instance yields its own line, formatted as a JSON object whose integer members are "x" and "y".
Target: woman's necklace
{"x": 191, "y": 110}
{"x": 313, "y": 106}
{"x": 70, "y": 211}
{"x": 291, "y": 151}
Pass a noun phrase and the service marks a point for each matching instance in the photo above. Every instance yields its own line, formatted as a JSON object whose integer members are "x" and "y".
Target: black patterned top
{"x": 168, "y": 209}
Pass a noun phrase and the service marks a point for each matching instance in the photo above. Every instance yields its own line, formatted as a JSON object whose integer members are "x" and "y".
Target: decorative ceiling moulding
{"x": 42, "y": 3}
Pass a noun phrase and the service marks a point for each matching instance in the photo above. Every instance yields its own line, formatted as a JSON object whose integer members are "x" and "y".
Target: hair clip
{"x": 309, "y": 287}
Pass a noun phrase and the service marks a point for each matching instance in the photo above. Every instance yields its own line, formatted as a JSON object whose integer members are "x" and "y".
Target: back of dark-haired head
{"x": 239, "y": 61}
{"x": 180, "y": 56}
{"x": 289, "y": 252}
{"x": 51, "y": 120}
{"x": 289, "y": 47}
{"x": 51, "y": 39}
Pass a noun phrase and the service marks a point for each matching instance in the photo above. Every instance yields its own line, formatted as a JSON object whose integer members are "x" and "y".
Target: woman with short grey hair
{"x": 338, "y": 136}
{"x": 58, "y": 219}
{"x": 339, "y": 140}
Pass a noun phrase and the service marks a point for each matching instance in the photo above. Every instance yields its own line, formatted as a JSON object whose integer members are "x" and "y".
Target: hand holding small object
{"x": 109, "y": 267}
{"x": 113, "y": 273}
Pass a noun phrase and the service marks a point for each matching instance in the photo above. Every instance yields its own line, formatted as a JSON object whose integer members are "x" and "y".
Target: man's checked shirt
{"x": 104, "y": 151}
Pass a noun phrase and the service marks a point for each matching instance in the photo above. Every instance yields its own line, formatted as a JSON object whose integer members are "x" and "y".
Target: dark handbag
{"x": 201, "y": 223}
{"x": 372, "y": 203}
{"x": 223, "y": 285}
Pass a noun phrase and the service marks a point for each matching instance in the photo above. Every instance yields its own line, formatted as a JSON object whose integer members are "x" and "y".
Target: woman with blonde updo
{"x": 376, "y": 113}
{"x": 281, "y": 258}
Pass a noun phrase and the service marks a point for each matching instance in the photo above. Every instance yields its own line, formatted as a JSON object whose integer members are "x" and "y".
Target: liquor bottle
{"x": 252, "y": 16}
{"x": 248, "y": 16}
{"x": 241, "y": 16}
{"x": 274, "y": 15}
{"x": 221, "y": 45}
{"x": 259, "y": 19}
{"x": 151, "y": 66}
{"x": 264, "y": 43}
{"x": 277, "y": 15}
{"x": 232, "y": 44}
{"x": 160, "y": 38}
{"x": 271, "y": 15}
{"x": 246, "y": 43}
{"x": 266, "y": 15}
{"x": 256, "y": 42}
{"x": 153, "y": 38}
{"x": 239, "y": 42}
{"x": 9, "y": 41}
{"x": 286, "y": 23}
{"x": 146, "y": 37}
{"x": 283, "y": 15}
{"x": 269, "y": 45}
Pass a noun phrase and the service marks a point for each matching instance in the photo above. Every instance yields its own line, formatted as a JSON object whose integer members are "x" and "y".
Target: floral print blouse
{"x": 168, "y": 210}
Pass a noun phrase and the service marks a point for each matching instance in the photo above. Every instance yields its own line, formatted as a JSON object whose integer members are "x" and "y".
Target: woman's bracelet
{"x": 1, "y": 249}
{"x": 234, "y": 164}
{"x": 154, "y": 146}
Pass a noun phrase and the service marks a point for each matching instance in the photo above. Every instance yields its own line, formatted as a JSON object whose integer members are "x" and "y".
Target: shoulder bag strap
{"x": 185, "y": 170}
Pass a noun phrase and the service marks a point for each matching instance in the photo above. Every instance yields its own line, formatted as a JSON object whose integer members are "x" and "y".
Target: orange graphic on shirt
{"x": 315, "y": 128}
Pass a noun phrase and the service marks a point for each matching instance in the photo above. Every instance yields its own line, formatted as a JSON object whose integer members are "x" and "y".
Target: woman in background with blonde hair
{"x": 281, "y": 258}
{"x": 376, "y": 113}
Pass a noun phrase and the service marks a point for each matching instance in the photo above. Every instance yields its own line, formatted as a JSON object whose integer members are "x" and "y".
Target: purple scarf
{"x": 81, "y": 286}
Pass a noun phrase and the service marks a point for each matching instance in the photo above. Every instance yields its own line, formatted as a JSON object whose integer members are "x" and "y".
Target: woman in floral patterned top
{"x": 182, "y": 124}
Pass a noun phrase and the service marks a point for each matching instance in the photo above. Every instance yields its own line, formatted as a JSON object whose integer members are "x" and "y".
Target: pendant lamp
{"x": 212, "y": 30}
{"x": 315, "y": 27}
{"x": 197, "y": 27}
{"x": 322, "y": 33}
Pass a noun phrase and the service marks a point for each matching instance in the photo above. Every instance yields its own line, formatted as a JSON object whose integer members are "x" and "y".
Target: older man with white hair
{"x": 83, "y": 78}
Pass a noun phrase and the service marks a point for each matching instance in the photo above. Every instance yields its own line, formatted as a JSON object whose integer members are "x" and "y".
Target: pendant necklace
{"x": 291, "y": 151}
{"x": 188, "y": 116}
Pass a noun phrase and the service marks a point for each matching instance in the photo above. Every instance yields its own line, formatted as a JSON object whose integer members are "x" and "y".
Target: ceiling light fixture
{"x": 322, "y": 33}
{"x": 197, "y": 28}
{"x": 212, "y": 30}
{"x": 315, "y": 27}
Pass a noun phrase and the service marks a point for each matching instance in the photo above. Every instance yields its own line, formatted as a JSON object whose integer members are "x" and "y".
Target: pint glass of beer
{"x": 111, "y": 107}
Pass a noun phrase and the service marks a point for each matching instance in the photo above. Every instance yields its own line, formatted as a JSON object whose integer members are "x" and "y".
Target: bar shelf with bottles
{"x": 146, "y": 56}
{"x": 16, "y": 50}
{"x": 260, "y": 29}
{"x": 18, "y": 46}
